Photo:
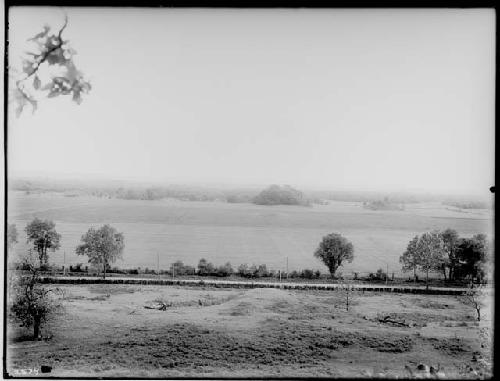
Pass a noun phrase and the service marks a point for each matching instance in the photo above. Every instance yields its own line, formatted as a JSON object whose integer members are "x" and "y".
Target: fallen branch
{"x": 388, "y": 319}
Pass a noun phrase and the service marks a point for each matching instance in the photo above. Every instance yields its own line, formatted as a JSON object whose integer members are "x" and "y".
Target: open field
{"x": 240, "y": 233}
{"x": 104, "y": 330}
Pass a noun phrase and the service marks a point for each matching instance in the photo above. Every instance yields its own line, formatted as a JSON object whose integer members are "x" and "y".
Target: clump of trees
{"x": 179, "y": 268}
{"x": 333, "y": 251}
{"x": 280, "y": 195}
{"x": 457, "y": 258}
{"x": 43, "y": 236}
{"x": 206, "y": 268}
{"x": 103, "y": 246}
{"x": 385, "y": 204}
{"x": 253, "y": 271}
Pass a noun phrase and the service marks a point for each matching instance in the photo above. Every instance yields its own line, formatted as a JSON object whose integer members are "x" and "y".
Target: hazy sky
{"x": 356, "y": 99}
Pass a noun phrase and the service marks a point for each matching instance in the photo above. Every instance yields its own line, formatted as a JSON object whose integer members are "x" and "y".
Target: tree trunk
{"x": 478, "y": 310}
{"x": 444, "y": 272}
{"x": 427, "y": 279}
{"x": 414, "y": 274}
{"x": 104, "y": 269}
{"x": 36, "y": 327}
{"x": 40, "y": 255}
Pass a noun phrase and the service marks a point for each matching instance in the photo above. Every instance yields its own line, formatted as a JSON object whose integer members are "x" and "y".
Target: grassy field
{"x": 240, "y": 233}
{"x": 104, "y": 330}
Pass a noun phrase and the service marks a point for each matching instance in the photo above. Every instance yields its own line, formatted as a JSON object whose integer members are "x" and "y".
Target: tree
{"x": 205, "y": 268}
{"x": 11, "y": 236}
{"x": 409, "y": 259}
{"x": 178, "y": 268}
{"x": 44, "y": 236}
{"x": 31, "y": 303}
{"x": 430, "y": 249}
{"x": 333, "y": 250}
{"x": 472, "y": 254}
{"x": 474, "y": 297}
{"x": 225, "y": 270}
{"x": 450, "y": 239}
{"x": 53, "y": 54}
{"x": 103, "y": 246}
{"x": 243, "y": 270}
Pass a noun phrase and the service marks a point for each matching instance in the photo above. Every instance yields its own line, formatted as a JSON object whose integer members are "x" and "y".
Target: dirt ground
{"x": 105, "y": 331}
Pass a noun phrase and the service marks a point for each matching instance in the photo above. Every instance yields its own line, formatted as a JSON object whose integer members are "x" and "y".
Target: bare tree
{"x": 348, "y": 293}
{"x": 474, "y": 297}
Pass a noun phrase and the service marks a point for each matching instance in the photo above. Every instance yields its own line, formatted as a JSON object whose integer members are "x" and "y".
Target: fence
{"x": 235, "y": 284}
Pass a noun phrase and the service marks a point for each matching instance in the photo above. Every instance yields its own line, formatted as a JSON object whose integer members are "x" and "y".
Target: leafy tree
{"x": 225, "y": 270}
{"x": 44, "y": 236}
{"x": 205, "y": 268}
{"x": 261, "y": 271}
{"x": 472, "y": 254}
{"x": 178, "y": 268}
{"x": 30, "y": 301}
{"x": 307, "y": 274}
{"x": 333, "y": 250}
{"x": 431, "y": 253}
{"x": 451, "y": 240}
{"x": 54, "y": 54}
{"x": 243, "y": 270}
{"x": 410, "y": 258}
{"x": 103, "y": 246}
{"x": 11, "y": 236}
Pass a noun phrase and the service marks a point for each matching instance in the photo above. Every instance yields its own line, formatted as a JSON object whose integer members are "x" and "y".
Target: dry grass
{"x": 259, "y": 333}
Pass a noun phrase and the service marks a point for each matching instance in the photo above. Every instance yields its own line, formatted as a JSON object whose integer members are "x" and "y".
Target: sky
{"x": 327, "y": 98}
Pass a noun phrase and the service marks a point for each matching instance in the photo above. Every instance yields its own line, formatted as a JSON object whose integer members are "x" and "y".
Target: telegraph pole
{"x": 64, "y": 266}
{"x": 387, "y": 273}
{"x": 158, "y": 264}
{"x": 286, "y": 267}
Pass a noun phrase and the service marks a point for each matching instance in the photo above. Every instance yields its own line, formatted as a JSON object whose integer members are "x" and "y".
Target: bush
{"x": 307, "y": 274}
{"x": 76, "y": 269}
{"x": 380, "y": 275}
{"x": 225, "y": 270}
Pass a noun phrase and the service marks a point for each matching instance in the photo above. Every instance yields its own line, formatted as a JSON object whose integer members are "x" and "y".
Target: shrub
{"x": 307, "y": 274}
{"x": 225, "y": 270}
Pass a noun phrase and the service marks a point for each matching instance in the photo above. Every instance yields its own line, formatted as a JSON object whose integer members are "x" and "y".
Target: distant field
{"x": 239, "y": 233}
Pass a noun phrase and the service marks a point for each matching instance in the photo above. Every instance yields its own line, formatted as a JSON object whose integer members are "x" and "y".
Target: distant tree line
{"x": 385, "y": 204}
{"x": 467, "y": 204}
{"x": 272, "y": 195}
